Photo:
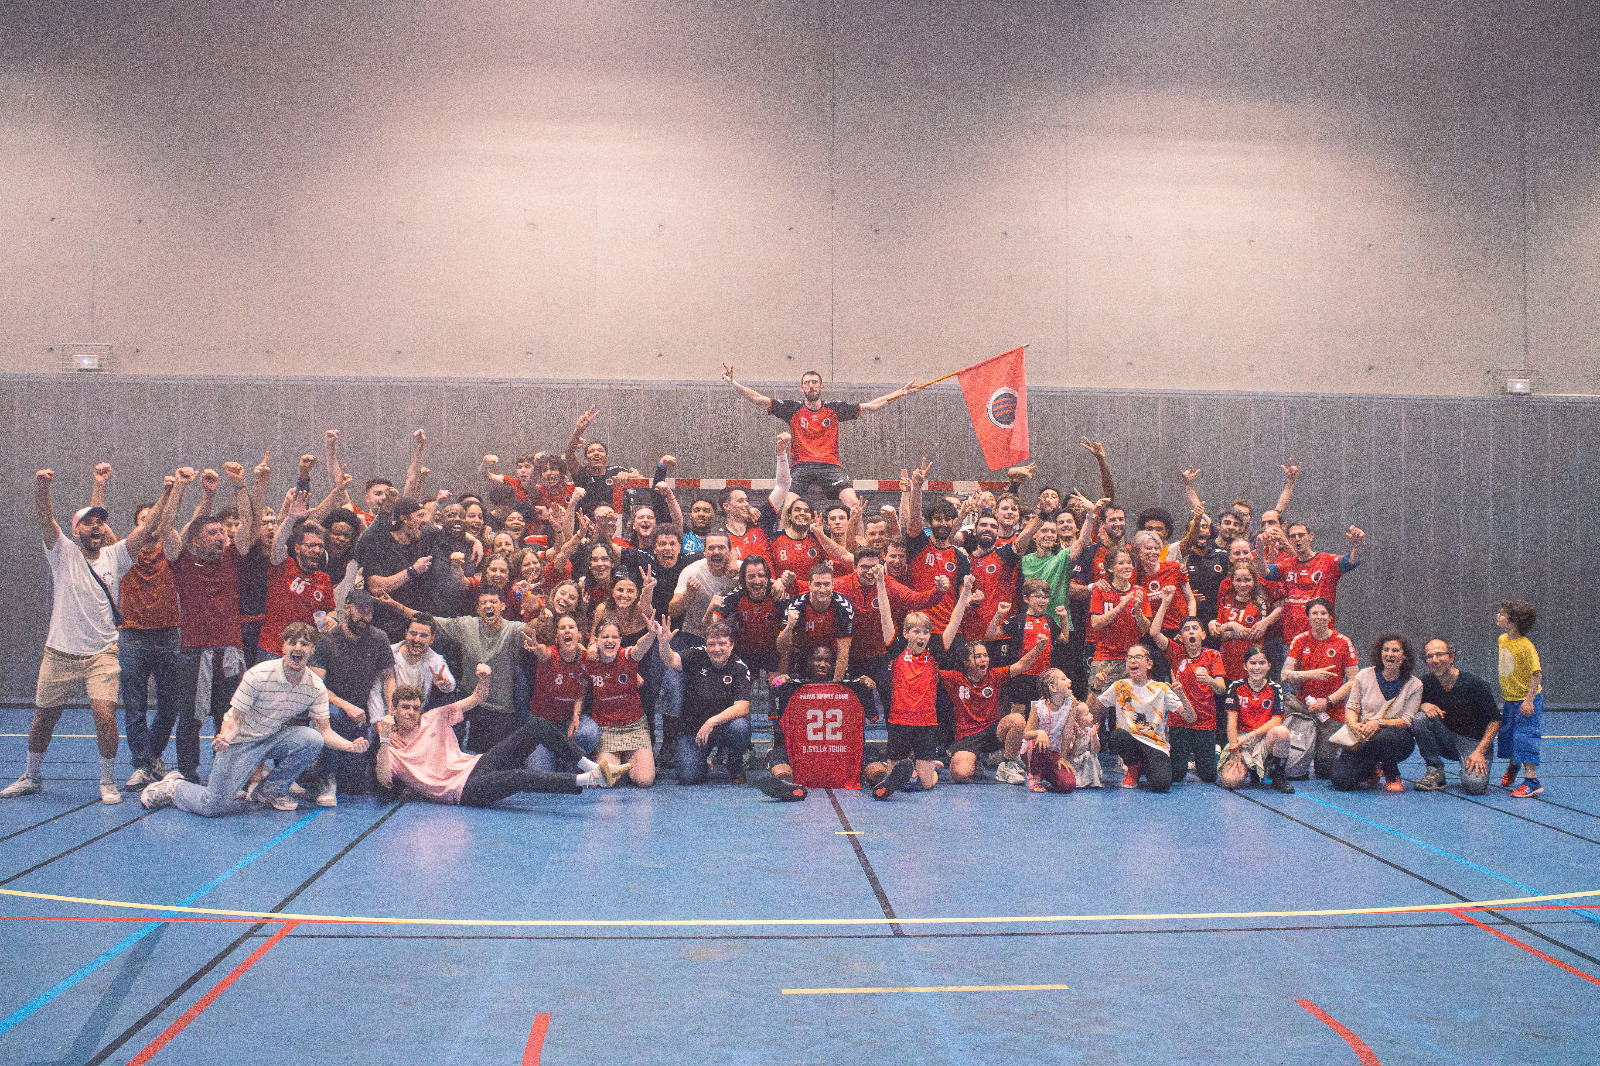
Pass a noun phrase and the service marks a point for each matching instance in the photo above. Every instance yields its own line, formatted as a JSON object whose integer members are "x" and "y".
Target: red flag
{"x": 996, "y": 392}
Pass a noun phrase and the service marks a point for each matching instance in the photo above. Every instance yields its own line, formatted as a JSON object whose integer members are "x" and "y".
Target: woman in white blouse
{"x": 1383, "y": 699}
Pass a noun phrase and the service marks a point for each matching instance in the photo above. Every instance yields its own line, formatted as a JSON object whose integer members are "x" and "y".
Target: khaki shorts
{"x": 63, "y": 678}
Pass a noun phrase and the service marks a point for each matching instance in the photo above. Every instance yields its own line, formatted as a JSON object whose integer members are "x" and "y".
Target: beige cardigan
{"x": 1367, "y": 699}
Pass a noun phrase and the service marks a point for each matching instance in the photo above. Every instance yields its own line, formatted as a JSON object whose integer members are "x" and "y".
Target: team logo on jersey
{"x": 811, "y": 552}
{"x": 1266, "y": 704}
{"x": 950, "y": 566}
{"x": 622, "y": 679}
{"x": 727, "y": 679}
{"x": 988, "y": 690}
{"x": 1332, "y": 653}
{"x": 1002, "y": 407}
{"x": 991, "y": 569}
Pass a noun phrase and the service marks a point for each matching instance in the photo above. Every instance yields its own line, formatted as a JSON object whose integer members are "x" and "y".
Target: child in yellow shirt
{"x": 1522, "y": 689}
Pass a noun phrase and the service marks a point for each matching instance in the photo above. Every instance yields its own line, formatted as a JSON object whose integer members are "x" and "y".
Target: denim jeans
{"x": 291, "y": 748}
{"x": 670, "y": 700}
{"x": 1436, "y": 743}
{"x": 586, "y": 737}
{"x": 1519, "y": 737}
{"x": 143, "y": 653}
{"x": 733, "y": 737}
{"x": 183, "y": 711}
{"x": 351, "y": 770}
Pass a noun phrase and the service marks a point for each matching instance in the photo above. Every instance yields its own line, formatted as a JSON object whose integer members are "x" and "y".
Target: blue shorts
{"x": 1519, "y": 737}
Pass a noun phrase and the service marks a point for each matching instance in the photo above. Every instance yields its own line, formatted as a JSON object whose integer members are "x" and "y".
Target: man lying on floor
{"x": 419, "y": 751}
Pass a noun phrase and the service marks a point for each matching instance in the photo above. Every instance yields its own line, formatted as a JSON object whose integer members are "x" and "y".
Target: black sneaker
{"x": 780, "y": 789}
{"x": 1433, "y": 780}
{"x": 897, "y": 778}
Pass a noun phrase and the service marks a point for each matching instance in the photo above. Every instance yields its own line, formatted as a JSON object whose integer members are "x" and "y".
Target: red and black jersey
{"x": 1303, "y": 582}
{"x": 292, "y": 596}
{"x": 1202, "y": 697}
{"x": 1254, "y": 707}
{"x": 816, "y": 627}
{"x": 995, "y": 575}
{"x": 1234, "y": 651}
{"x": 1020, "y": 633}
{"x": 797, "y": 557}
{"x": 1173, "y": 575}
{"x": 753, "y": 541}
{"x": 557, "y": 686}
{"x": 814, "y": 434}
{"x": 756, "y": 625}
{"x": 977, "y": 703}
{"x": 822, "y": 724}
{"x": 614, "y": 690}
{"x": 927, "y": 562}
{"x": 1122, "y": 632}
{"x": 1336, "y": 654}
{"x": 913, "y": 686}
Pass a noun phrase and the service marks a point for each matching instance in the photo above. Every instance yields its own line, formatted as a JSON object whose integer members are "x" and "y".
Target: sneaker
{"x": 1529, "y": 788}
{"x": 1509, "y": 778}
{"x": 1010, "y": 772}
{"x": 612, "y": 774}
{"x": 1036, "y": 785}
{"x": 22, "y": 786}
{"x": 296, "y": 790}
{"x": 109, "y": 792}
{"x": 141, "y": 777}
{"x": 158, "y": 795}
{"x": 898, "y": 777}
{"x": 780, "y": 789}
{"x": 1131, "y": 778}
{"x": 328, "y": 794}
{"x": 278, "y": 801}
{"x": 159, "y": 769}
{"x": 1432, "y": 781}
{"x": 248, "y": 793}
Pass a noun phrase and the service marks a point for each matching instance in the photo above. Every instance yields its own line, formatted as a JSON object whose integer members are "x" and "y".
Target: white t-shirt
{"x": 711, "y": 587}
{"x": 1142, "y": 709}
{"x": 80, "y": 615}
{"x": 421, "y": 675}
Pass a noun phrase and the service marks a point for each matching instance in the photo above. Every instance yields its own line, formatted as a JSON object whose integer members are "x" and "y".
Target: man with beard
{"x": 799, "y": 545}
{"x": 753, "y": 610}
{"x": 745, "y": 535}
{"x": 147, "y": 645}
{"x": 994, "y": 573}
{"x": 80, "y": 651}
{"x": 869, "y": 655}
{"x": 397, "y": 556}
{"x": 297, "y": 589}
{"x": 352, "y": 661}
{"x": 592, "y": 473}
{"x": 701, "y": 515}
{"x": 417, "y": 664}
{"x": 932, "y": 552}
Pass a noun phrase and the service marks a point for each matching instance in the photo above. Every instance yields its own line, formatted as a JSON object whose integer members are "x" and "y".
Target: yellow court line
{"x": 924, "y": 988}
{"x": 642, "y": 923}
{"x": 847, "y": 832}
{"x": 1572, "y": 736}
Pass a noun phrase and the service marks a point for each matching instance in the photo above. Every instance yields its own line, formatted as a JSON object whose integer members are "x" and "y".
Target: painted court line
{"x": 150, "y": 1049}
{"x": 1529, "y": 948}
{"x": 558, "y": 923}
{"x": 535, "y": 1046}
{"x": 1363, "y": 1053}
{"x": 47, "y": 821}
{"x": 922, "y": 988}
{"x": 46, "y": 997}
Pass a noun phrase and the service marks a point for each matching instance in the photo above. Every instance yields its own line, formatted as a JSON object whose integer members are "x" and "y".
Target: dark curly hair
{"x": 1409, "y": 656}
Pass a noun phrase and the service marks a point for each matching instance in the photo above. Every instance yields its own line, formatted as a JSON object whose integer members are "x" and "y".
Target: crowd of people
{"x": 1042, "y": 634}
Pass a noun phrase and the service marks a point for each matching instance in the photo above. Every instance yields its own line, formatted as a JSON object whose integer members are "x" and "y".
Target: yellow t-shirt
{"x": 1518, "y": 660}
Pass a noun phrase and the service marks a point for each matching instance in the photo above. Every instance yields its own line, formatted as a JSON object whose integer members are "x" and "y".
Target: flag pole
{"x": 935, "y": 381}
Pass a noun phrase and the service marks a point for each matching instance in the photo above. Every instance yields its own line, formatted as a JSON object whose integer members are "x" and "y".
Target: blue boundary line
{"x": 1436, "y": 850}
{"x": 44, "y": 998}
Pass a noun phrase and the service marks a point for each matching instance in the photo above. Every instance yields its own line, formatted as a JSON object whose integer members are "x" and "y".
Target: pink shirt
{"x": 429, "y": 761}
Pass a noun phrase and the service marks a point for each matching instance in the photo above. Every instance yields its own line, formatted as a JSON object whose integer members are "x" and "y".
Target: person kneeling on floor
{"x": 270, "y": 695}
{"x": 1142, "y": 706}
{"x": 420, "y": 751}
{"x": 1255, "y": 704}
{"x": 823, "y": 722}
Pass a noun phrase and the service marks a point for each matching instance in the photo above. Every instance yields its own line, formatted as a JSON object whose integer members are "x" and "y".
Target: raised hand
{"x": 919, "y": 476}
{"x": 586, "y": 419}
{"x": 1189, "y": 475}
{"x": 262, "y": 470}
{"x": 783, "y": 442}
{"x": 727, "y": 373}
{"x": 102, "y": 473}
{"x": 234, "y": 472}
{"x": 209, "y": 480}
{"x": 185, "y": 475}
{"x": 669, "y": 463}
{"x": 384, "y": 725}
{"x": 297, "y": 505}
{"x": 420, "y": 437}
{"x": 440, "y": 672}
{"x": 424, "y": 564}
{"x": 1095, "y": 448}
{"x": 489, "y": 461}
{"x": 484, "y": 672}
{"x": 307, "y": 461}
{"x": 1291, "y": 471}
{"x": 44, "y": 478}
{"x": 330, "y": 438}
{"x": 1356, "y": 536}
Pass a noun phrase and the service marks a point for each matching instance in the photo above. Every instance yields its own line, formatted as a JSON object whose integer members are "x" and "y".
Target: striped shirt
{"x": 265, "y": 701}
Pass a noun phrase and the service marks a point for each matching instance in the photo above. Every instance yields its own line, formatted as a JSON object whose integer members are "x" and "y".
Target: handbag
{"x": 1345, "y": 737}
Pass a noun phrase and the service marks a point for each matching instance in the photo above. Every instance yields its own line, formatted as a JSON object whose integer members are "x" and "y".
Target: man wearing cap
{"x": 80, "y": 652}
{"x": 396, "y": 556}
{"x": 356, "y": 664}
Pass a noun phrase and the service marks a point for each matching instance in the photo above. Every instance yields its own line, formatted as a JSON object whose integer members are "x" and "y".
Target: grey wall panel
{"x": 1465, "y": 500}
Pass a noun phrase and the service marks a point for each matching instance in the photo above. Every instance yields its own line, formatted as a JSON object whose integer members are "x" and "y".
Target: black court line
{"x": 47, "y": 821}
{"x": 216, "y": 960}
{"x": 76, "y": 847}
{"x": 1525, "y": 927}
{"x": 1519, "y": 817}
{"x": 861, "y": 857}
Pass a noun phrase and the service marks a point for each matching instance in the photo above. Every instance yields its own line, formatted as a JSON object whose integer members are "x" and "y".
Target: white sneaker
{"x": 159, "y": 795}
{"x": 139, "y": 779}
{"x": 109, "y": 792}
{"x": 296, "y": 791}
{"x": 277, "y": 801}
{"x": 22, "y": 786}
{"x": 328, "y": 794}
{"x": 1010, "y": 772}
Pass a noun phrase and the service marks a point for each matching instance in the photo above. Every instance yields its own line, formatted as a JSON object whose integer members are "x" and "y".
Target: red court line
{"x": 530, "y": 1054}
{"x": 209, "y": 998}
{"x": 1363, "y": 1052}
{"x": 1530, "y": 949}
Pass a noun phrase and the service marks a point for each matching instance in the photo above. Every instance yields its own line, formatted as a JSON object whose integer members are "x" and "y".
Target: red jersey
{"x": 756, "y": 625}
{"x": 977, "y": 704}
{"x": 1336, "y": 654}
{"x": 928, "y": 562}
{"x": 816, "y": 628}
{"x": 614, "y": 688}
{"x": 1234, "y": 651}
{"x": 1202, "y": 697}
{"x": 1122, "y": 633}
{"x": 913, "y": 685}
{"x": 1303, "y": 582}
{"x": 557, "y": 686}
{"x": 753, "y": 541}
{"x": 1035, "y": 628}
{"x": 867, "y": 630}
{"x": 1252, "y": 707}
{"x": 148, "y": 597}
{"x": 822, "y": 734}
{"x": 814, "y": 435}
{"x": 797, "y": 557}
{"x": 544, "y": 497}
{"x": 209, "y": 592}
{"x": 1168, "y": 575}
{"x": 292, "y": 596}
{"x": 995, "y": 575}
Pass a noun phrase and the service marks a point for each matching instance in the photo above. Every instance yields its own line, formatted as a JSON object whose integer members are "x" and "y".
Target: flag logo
{"x": 1002, "y": 407}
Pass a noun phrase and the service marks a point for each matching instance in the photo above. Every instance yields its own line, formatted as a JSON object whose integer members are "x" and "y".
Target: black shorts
{"x": 1024, "y": 689}
{"x": 918, "y": 741}
{"x": 980, "y": 743}
{"x": 830, "y": 477}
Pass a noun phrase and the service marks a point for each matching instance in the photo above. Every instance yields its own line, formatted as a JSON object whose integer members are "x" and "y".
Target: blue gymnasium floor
{"x": 112, "y": 985}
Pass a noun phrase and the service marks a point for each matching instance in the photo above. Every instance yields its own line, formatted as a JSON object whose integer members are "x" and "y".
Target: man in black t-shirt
{"x": 716, "y": 702}
{"x": 397, "y": 556}
{"x": 356, "y": 664}
{"x": 1458, "y": 722}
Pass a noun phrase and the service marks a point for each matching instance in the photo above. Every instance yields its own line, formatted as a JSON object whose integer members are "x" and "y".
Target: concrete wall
{"x": 1466, "y": 500}
{"x": 1272, "y": 195}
